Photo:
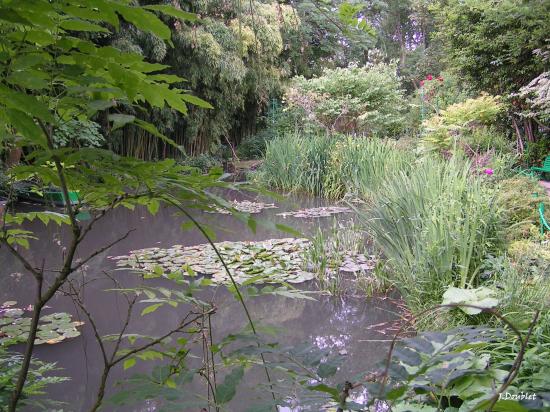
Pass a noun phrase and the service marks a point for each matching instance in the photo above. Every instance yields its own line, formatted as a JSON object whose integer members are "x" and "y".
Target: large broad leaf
{"x": 481, "y": 297}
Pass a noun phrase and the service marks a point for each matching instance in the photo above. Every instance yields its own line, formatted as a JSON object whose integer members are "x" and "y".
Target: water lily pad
{"x": 269, "y": 261}
{"x": 244, "y": 206}
{"x": 316, "y": 212}
{"x": 53, "y": 328}
{"x": 353, "y": 263}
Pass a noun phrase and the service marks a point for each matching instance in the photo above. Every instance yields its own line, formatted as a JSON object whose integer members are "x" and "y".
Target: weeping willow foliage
{"x": 230, "y": 57}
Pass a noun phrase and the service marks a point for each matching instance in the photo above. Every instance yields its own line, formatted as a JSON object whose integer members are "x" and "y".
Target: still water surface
{"x": 341, "y": 325}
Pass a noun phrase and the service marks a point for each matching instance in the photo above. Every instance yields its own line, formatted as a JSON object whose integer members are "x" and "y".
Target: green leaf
{"x": 197, "y": 101}
{"x": 326, "y": 369}
{"x": 128, "y": 363}
{"x": 509, "y": 406}
{"x": 145, "y": 21}
{"x": 151, "y": 308}
{"x": 29, "y": 60}
{"x": 120, "y": 120}
{"x": 26, "y": 126}
{"x": 252, "y": 224}
{"x": 82, "y": 25}
{"x": 29, "y": 79}
{"x": 187, "y": 226}
{"x": 172, "y": 11}
{"x": 154, "y": 131}
{"x": 26, "y": 103}
{"x": 482, "y": 297}
{"x": 153, "y": 206}
{"x": 170, "y": 383}
{"x": 227, "y": 390}
{"x": 326, "y": 389}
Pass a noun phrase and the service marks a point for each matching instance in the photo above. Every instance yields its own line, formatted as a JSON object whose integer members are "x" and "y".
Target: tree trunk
{"x": 14, "y": 156}
{"x": 519, "y": 139}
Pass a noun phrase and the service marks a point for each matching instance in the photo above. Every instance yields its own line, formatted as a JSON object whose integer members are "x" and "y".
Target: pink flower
{"x": 429, "y": 77}
{"x": 421, "y": 83}
{"x": 489, "y": 172}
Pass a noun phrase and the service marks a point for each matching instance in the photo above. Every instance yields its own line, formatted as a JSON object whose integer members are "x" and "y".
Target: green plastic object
{"x": 544, "y": 226}
{"x": 545, "y": 167}
{"x": 57, "y": 197}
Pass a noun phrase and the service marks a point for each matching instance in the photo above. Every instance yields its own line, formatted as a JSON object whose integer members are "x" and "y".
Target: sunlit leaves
{"x": 144, "y": 20}
{"x": 45, "y": 217}
{"x": 128, "y": 363}
{"x": 350, "y": 14}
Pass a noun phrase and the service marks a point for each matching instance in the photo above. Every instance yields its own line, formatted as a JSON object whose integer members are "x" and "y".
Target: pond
{"x": 341, "y": 325}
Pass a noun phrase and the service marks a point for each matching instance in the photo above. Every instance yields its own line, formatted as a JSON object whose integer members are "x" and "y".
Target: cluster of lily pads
{"x": 316, "y": 212}
{"x": 244, "y": 206}
{"x": 353, "y": 263}
{"x": 269, "y": 261}
{"x": 54, "y": 328}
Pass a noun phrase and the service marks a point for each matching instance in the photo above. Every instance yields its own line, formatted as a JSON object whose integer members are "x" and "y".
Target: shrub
{"x": 254, "y": 147}
{"x": 460, "y": 119}
{"x": 536, "y": 152}
{"x": 520, "y": 196}
{"x": 530, "y": 257}
{"x": 436, "y": 93}
{"x": 78, "y": 133}
{"x": 365, "y": 100}
{"x": 203, "y": 162}
{"x": 435, "y": 225}
{"x": 483, "y": 139}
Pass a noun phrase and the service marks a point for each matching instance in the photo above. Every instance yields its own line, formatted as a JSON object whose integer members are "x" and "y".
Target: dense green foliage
{"x": 330, "y": 166}
{"x": 364, "y": 100}
{"x": 467, "y": 119}
{"x": 491, "y": 44}
{"x": 435, "y": 224}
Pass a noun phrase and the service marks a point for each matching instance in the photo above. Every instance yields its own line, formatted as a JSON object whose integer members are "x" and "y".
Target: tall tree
{"x": 490, "y": 44}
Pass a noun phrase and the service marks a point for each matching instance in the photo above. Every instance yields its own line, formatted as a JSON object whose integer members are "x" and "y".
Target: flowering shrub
{"x": 365, "y": 100}
{"x": 458, "y": 120}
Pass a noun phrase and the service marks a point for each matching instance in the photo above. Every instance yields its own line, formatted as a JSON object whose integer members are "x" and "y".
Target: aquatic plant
{"x": 358, "y": 166}
{"x": 316, "y": 212}
{"x": 341, "y": 260}
{"x": 435, "y": 226}
{"x": 270, "y": 261}
{"x": 244, "y": 206}
{"x": 331, "y": 166}
{"x": 53, "y": 328}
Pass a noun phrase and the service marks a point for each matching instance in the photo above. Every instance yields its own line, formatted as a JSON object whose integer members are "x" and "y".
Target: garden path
{"x": 546, "y": 185}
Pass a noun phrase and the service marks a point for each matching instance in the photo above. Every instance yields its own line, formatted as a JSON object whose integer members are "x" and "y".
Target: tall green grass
{"x": 435, "y": 225}
{"x": 296, "y": 163}
{"x": 359, "y": 166}
{"x": 331, "y": 166}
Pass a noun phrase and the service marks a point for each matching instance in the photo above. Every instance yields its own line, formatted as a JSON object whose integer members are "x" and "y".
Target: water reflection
{"x": 329, "y": 323}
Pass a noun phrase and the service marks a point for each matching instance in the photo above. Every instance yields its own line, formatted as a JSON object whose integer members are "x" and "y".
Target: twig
{"x": 101, "y": 250}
